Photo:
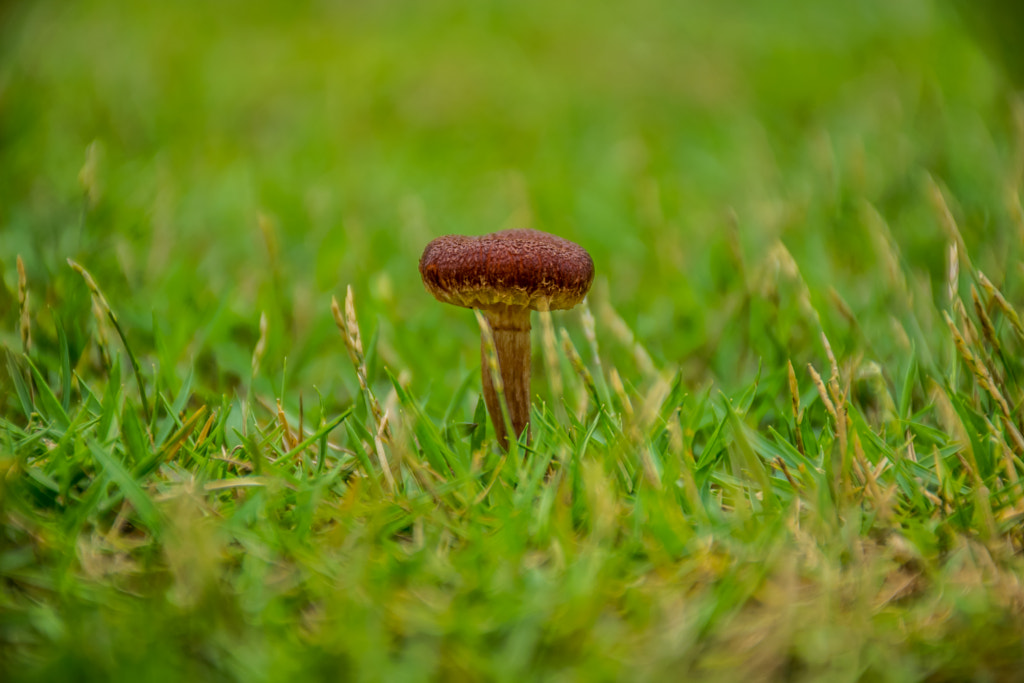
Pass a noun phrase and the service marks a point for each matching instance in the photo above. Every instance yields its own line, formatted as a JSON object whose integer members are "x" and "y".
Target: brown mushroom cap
{"x": 516, "y": 268}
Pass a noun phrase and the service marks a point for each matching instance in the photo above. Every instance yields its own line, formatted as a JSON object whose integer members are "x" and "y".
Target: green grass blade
{"x": 129, "y": 486}
{"x": 52, "y": 407}
{"x": 20, "y": 387}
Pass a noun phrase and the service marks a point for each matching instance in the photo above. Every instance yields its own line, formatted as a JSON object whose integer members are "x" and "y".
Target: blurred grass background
{"x": 675, "y": 141}
{"x": 739, "y": 171}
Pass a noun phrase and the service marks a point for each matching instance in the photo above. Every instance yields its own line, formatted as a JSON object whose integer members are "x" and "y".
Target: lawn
{"x": 781, "y": 440}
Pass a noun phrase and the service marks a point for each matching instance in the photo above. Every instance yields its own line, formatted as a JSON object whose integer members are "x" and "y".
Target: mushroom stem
{"x": 510, "y": 327}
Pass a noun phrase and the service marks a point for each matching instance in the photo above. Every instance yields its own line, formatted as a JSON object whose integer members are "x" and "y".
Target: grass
{"x": 781, "y": 441}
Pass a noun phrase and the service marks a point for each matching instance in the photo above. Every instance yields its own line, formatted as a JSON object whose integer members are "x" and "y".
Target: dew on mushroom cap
{"x": 506, "y": 275}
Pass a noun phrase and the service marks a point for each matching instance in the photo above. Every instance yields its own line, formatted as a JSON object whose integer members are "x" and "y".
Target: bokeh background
{"x": 212, "y": 162}
{"x": 754, "y": 179}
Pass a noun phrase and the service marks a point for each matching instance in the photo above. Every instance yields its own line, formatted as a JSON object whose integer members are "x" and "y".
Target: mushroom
{"x": 506, "y": 275}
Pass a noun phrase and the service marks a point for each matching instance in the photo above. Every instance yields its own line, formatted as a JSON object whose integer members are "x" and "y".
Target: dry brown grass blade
{"x": 838, "y": 400}
{"x": 798, "y": 416}
{"x": 1015, "y": 435}
{"x": 881, "y": 498}
{"x": 288, "y": 439}
{"x": 549, "y": 348}
{"x": 839, "y": 419}
{"x": 100, "y": 309}
{"x": 354, "y": 338}
{"x": 378, "y": 444}
{"x": 577, "y": 365}
{"x": 823, "y": 393}
{"x": 261, "y": 344}
{"x": 988, "y": 330}
{"x": 613, "y": 323}
{"x": 978, "y": 369}
{"x": 205, "y": 431}
{"x": 620, "y": 393}
{"x": 1004, "y": 306}
{"x": 590, "y": 334}
{"x": 887, "y": 250}
{"x": 176, "y": 441}
{"x": 833, "y": 379}
{"x": 23, "y": 314}
{"x": 348, "y": 326}
{"x": 953, "y": 273}
{"x": 781, "y": 464}
{"x": 945, "y": 216}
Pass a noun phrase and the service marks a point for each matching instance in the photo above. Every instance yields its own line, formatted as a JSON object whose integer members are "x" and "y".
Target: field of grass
{"x": 782, "y": 440}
